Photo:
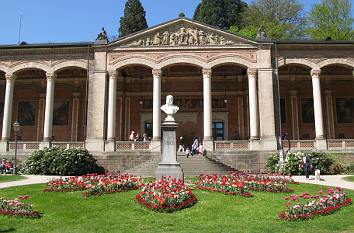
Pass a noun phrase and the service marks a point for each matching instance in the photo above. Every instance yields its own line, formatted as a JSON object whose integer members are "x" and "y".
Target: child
{"x": 188, "y": 152}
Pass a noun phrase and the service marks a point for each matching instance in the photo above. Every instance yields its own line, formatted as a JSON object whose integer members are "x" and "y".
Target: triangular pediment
{"x": 182, "y": 32}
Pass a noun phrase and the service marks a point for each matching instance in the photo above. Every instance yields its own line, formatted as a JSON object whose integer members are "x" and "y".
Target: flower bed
{"x": 265, "y": 183}
{"x": 166, "y": 195}
{"x": 94, "y": 184}
{"x": 224, "y": 184}
{"x": 17, "y": 208}
{"x": 306, "y": 206}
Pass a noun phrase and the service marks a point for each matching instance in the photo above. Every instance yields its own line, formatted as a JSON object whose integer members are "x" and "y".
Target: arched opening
{"x": 296, "y": 102}
{"x": 134, "y": 101}
{"x": 69, "y": 108}
{"x": 29, "y": 89}
{"x": 338, "y": 105}
{"x": 230, "y": 102}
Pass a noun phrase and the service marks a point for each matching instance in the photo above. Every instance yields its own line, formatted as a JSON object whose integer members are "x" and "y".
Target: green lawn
{"x": 214, "y": 212}
{"x": 349, "y": 178}
{"x": 9, "y": 178}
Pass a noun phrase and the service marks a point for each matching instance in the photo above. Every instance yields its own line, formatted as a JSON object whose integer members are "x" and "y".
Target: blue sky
{"x": 80, "y": 20}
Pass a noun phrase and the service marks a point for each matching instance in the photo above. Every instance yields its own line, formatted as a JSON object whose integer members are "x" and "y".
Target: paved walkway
{"x": 30, "y": 179}
{"x": 331, "y": 180}
{"x": 334, "y": 180}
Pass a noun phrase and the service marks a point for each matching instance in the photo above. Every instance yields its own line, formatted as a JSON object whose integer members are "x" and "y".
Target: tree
{"x": 281, "y": 19}
{"x": 331, "y": 18}
{"x": 220, "y": 13}
{"x": 134, "y": 18}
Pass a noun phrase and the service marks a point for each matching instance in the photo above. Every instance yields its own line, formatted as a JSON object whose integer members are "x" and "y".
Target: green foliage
{"x": 331, "y": 18}
{"x": 134, "y": 18}
{"x": 220, "y": 13}
{"x": 293, "y": 163}
{"x": 57, "y": 161}
{"x": 281, "y": 19}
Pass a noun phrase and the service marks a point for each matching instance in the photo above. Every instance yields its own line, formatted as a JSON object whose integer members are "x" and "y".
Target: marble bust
{"x": 169, "y": 108}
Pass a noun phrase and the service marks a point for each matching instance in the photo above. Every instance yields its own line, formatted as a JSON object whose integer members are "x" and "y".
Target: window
{"x": 218, "y": 130}
{"x": 148, "y": 129}
{"x": 345, "y": 110}
{"x": 307, "y": 111}
{"x": 26, "y": 114}
{"x": 282, "y": 110}
{"x": 61, "y": 113}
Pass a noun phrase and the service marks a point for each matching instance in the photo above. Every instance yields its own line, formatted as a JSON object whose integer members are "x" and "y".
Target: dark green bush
{"x": 322, "y": 161}
{"x": 58, "y": 161}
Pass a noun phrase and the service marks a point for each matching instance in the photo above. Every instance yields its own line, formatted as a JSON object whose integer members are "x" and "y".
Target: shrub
{"x": 272, "y": 163}
{"x": 58, "y": 161}
{"x": 322, "y": 161}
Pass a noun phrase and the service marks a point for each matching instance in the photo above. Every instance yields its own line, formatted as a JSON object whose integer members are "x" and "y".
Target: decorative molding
{"x": 252, "y": 73}
{"x": 51, "y": 76}
{"x": 113, "y": 74}
{"x": 206, "y": 73}
{"x": 157, "y": 73}
{"x": 315, "y": 73}
{"x": 10, "y": 77}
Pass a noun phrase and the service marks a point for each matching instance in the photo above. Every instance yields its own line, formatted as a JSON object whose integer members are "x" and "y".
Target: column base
{"x": 252, "y": 138}
{"x": 208, "y": 144}
{"x": 320, "y": 137}
{"x": 255, "y": 144}
{"x": 45, "y": 144}
{"x": 165, "y": 169}
{"x": 110, "y": 145}
{"x": 4, "y": 146}
{"x": 156, "y": 145}
{"x": 321, "y": 144}
{"x": 95, "y": 145}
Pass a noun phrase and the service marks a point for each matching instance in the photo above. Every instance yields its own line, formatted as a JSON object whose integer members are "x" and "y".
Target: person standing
{"x": 181, "y": 144}
{"x": 307, "y": 165}
{"x": 195, "y": 146}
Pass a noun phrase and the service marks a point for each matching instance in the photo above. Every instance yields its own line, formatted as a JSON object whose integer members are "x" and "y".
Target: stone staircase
{"x": 192, "y": 166}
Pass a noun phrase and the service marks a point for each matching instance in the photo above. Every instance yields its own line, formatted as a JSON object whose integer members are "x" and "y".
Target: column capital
{"x": 206, "y": 73}
{"x": 315, "y": 73}
{"x": 10, "y": 76}
{"x": 51, "y": 76}
{"x": 157, "y": 73}
{"x": 113, "y": 74}
{"x": 252, "y": 73}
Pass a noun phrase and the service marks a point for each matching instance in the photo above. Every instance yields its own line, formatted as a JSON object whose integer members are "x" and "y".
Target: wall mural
{"x": 345, "y": 110}
{"x": 307, "y": 110}
{"x": 61, "y": 113}
{"x": 26, "y": 114}
{"x": 182, "y": 36}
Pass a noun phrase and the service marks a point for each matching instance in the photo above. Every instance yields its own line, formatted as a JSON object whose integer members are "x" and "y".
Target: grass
{"x": 349, "y": 178}
{"x": 9, "y": 178}
{"x": 214, "y": 212}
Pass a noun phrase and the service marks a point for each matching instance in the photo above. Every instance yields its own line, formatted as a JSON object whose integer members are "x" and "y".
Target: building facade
{"x": 233, "y": 93}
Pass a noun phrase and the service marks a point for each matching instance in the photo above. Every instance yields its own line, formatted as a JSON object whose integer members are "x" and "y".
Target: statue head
{"x": 169, "y": 100}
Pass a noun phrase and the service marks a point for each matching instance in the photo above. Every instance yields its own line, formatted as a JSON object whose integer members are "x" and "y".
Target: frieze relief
{"x": 182, "y": 37}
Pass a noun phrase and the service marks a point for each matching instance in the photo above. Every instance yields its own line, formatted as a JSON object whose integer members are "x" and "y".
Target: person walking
{"x": 195, "y": 146}
{"x": 307, "y": 165}
{"x": 181, "y": 144}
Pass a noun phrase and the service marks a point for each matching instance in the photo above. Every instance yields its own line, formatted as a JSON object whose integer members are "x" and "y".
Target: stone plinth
{"x": 169, "y": 165}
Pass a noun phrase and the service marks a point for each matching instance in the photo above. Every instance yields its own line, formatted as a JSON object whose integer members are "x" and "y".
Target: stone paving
{"x": 330, "y": 180}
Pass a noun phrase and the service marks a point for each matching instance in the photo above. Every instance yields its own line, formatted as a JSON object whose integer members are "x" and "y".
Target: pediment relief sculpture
{"x": 182, "y": 37}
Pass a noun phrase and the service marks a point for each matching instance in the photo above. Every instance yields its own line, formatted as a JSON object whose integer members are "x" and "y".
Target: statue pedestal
{"x": 169, "y": 165}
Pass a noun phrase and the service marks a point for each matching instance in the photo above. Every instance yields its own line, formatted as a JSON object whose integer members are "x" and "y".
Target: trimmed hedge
{"x": 58, "y": 161}
{"x": 293, "y": 163}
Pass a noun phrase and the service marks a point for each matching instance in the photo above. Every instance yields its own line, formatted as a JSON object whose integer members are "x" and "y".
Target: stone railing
{"x": 31, "y": 146}
{"x": 231, "y": 145}
{"x": 300, "y": 144}
{"x": 128, "y": 145}
{"x": 340, "y": 144}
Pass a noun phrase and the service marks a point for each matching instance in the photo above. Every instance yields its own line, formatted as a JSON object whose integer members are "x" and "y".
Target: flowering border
{"x": 17, "y": 208}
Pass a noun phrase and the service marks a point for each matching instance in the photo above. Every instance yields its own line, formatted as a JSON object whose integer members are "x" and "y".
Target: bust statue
{"x": 169, "y": 108}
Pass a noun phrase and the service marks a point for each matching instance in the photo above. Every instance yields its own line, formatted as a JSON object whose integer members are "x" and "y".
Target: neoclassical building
{"x": 233, "y": 93}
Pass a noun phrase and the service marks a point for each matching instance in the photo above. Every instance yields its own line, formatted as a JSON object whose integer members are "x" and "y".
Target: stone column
{"x": 111, "y": 123}
{"x": 75, "y": 116}
{"x": 267, "y": 110}
{"x": 330, "y": 114}
{"x": 253, "y": 103}
{"x": 7, "y": 118}
{"x": 317, "y": 105}
{"x": 40, "y": 117}
{"x": 49, "y": 102}
{"x": 156, "y": 112}
{"x": 294, "y": 114}
{"x": 207, "y": 110}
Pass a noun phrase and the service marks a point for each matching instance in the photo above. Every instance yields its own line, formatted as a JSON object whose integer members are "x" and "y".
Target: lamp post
{"x": 16, "y": 127}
